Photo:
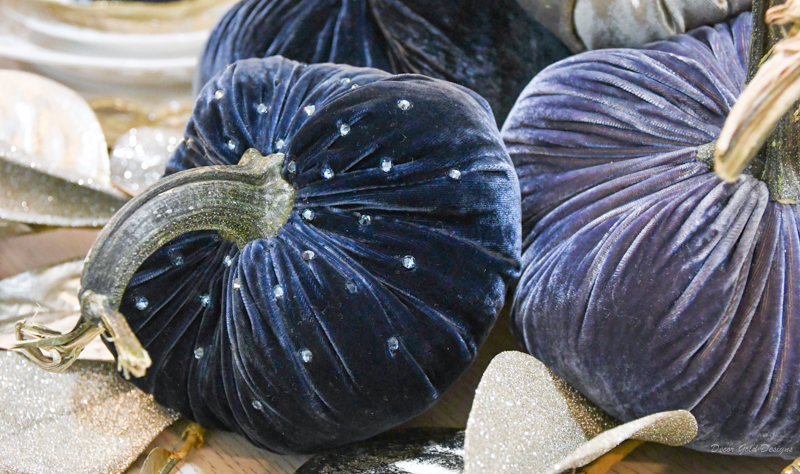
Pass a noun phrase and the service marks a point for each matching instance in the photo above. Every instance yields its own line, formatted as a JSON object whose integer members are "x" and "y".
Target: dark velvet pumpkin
{"x": 648, "y": 283}
{"x": 411, "y": 256}
{"x": 493, "y": 47}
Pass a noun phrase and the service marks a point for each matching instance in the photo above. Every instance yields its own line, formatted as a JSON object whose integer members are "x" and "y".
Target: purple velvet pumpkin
{"x": 648, "y": 283}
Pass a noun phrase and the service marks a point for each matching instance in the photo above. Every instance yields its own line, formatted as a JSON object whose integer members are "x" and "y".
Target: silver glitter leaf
{"x": 85, "y": 419}
{"x": 51, "y": 293}
{"x": 47, "y": 296}
{"x": 50, "y": 128}
{"x": 412, "y": 451}
{"x": 54, "y": 167}
{"x": 140, "y": 157}
{"x": 34, "y": 198}
{"x": 525, "y": 419}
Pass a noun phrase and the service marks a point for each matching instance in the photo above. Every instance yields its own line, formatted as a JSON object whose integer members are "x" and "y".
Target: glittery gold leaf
{"x": 673, "y": 428}
{"x": 85, "y": 419}
{"x": 525, "y": 419}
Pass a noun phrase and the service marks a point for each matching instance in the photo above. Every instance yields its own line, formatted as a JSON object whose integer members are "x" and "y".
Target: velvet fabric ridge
{"x": 648, "y": 283}
{"x": 304, "y": 354}
{"x": 493, "y": 47}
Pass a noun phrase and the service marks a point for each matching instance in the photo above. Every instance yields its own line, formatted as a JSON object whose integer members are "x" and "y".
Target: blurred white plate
{"x": 126, "y": 16}
{"x": 69, "y": 38}
{"x": 99, "y": 70}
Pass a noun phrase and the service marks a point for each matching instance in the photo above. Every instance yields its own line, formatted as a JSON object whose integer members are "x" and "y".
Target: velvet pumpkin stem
{"x": 245, "y": 202}
{"x": 768, "y": 100}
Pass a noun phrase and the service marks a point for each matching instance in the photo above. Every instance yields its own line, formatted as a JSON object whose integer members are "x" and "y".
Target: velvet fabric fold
{"x": 491, "y": 47}
{"x": 373, "y": 297}
{"x": 648, "y": 283}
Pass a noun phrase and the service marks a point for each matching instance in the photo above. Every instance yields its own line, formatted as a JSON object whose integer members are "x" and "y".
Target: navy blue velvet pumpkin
{"x": 648, "y": 283}
{"x": 376, "y": 293}
{"x": 493, "y": 47}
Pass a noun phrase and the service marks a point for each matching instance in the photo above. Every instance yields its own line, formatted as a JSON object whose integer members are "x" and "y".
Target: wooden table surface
{"x": 229, "y": 453}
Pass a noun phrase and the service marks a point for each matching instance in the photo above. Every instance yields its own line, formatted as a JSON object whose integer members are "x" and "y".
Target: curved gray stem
{"x": 761, "y": 135}
{"x": 245, "y": 201}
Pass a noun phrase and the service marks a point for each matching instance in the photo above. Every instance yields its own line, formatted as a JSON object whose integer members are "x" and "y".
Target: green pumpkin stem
{"x": 245, "y": 202}
{"x": 761, "y": 136}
